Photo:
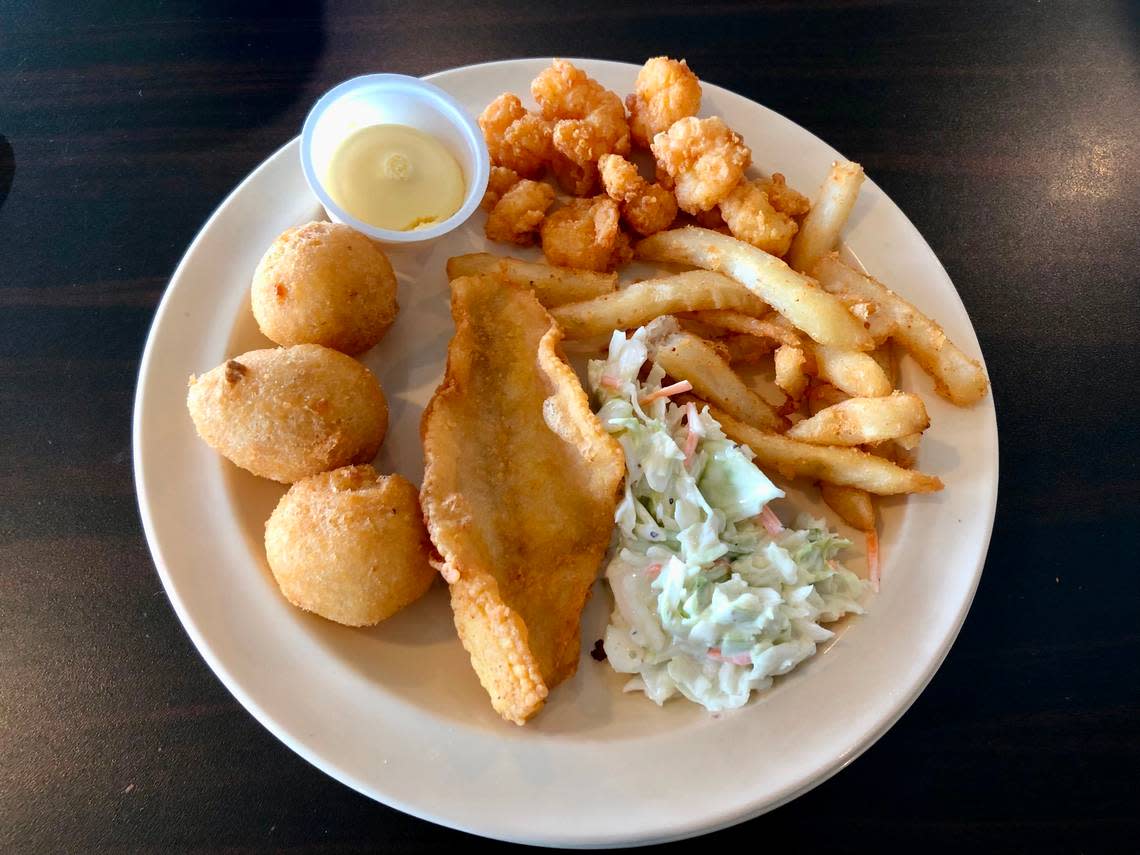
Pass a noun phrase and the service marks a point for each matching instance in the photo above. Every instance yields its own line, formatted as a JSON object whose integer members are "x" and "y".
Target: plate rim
{"x": 858, "y": 745}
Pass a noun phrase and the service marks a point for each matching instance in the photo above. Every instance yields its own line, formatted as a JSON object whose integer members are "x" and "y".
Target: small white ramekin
{"x": 375, "y": 99}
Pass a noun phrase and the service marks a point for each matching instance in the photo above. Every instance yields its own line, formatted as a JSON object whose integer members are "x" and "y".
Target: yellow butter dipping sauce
{"x": 395, "y": 177}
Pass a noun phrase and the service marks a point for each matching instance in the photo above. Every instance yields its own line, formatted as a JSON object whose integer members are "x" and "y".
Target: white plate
{"x": 396, "y": 711}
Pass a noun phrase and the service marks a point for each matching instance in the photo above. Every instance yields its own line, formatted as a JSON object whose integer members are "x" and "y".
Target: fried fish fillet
{"x": 520, "y": 487}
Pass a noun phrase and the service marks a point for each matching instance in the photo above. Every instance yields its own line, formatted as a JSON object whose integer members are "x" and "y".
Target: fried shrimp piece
{"x": 577, "y": 179}
{"x": 783, "y": 198}
{"x": 711, "y": 219}
{"x": 516, "y": 138}
{"x": 704, "y": 157}
{"x": 585, "y": 234}
{"x": 589, "y": 120}
{"x": 666, "y": 90}
{"x": 752, "y": 218}
{"x": 518, "y": 214}
{"x": 648, "y": 208}
{"x": 500, "y": 181}
{"x": 623, "y": 251}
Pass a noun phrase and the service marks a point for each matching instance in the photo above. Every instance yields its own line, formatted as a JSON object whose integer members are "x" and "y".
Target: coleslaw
{"x": 713, "y": 595}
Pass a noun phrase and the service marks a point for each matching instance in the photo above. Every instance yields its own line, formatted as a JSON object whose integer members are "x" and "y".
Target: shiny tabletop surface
{"x": 1006, "y": 131}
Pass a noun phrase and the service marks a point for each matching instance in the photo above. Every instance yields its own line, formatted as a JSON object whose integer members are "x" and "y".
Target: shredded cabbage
{"x": 707, "y": 603}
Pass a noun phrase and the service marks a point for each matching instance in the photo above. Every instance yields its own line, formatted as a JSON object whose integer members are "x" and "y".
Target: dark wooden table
{"x": 1006, "y": 131}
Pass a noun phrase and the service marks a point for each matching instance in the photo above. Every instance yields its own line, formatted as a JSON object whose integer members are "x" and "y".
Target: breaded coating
{"x": 499, "y": 182}
{"x": 350, "y": 545}
{"x": 290, "y": 412}
{"x": 622, "y": 252}
{"x": 516, "y": 217}
{"x": 516, "y": 138}
{"x": 577, "y": 179}
{"x": 705, "y": 159}
{"x": 585, "y": 234}
{"x": 589, "y": 120}
{"x": 783, "y": 198}
{"x": 648, "y": 208}
{"x": 752, "y": 218}
{"x": 520, "y": 486}
{"x": 666, "y": 90}
{"x": 711, "y": 219}
{"x": 324, "y": 283}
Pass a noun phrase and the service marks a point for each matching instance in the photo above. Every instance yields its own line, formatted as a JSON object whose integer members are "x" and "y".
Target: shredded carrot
{"x": 735, "y": 659}
{"x": 873, "y": 558}
{"x": 690, "y": 446}
{"x": 653, "y": 571}
{"x": 771, "y": 522}
{"x": 667, "y": 391}
{"x": 610, "y": 382}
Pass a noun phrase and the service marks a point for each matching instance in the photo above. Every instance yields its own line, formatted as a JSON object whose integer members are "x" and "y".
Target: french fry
{"x": 957, "y": 377}
{"x": 861, "y": 420}
{"x": 719, "y": 348}
{"x": 553, "y": 286}
{"x": 878, "y": 324}
{"x": 746, "y": 349}
{"x": 690, "y": 323}
{"x": 790, "y": 375}
{"x": 472, "y": 264}
{"x": 811, "y": 309}
{"x": 909, "y": 442}
{"x": 686, "y": 357}
{"x": 855, "y": 373}
{"x": 820, "y": 230}
{"x": 737, "y": 322}
{"x": 856, "y": 508}
{"x": 853, "y": 505}
{"x": 884, "y": 355}
{"x": 847, "y": 467}
{"x": 641, "y": 302}
{"x": 823, "y": 395}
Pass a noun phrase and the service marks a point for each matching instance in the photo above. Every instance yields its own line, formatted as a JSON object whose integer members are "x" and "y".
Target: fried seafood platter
{"x": 649, "y": 382}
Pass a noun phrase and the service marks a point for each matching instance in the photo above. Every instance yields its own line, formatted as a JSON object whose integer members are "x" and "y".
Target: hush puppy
{"x": 290, "y": 412}
{"x": 324, "y": 283}
{"x": 350, "y": 545}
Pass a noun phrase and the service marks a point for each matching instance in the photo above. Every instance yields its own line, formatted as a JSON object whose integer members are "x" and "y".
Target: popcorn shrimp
{"x": 752, "y": 218}
{"x": 666, "y": 90}
{"x": 518, "y": 214}
{"x": 648, "y": 208}
{"x": 704, "y": 157}
{"x": 499, "y": 182}
{"x": 577, "y": 179}
{"x": 589, "y": 120}
{"x": 516, "y": 138}
{"x": 783, "y": 198}
{"x": 585, "y": 234}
